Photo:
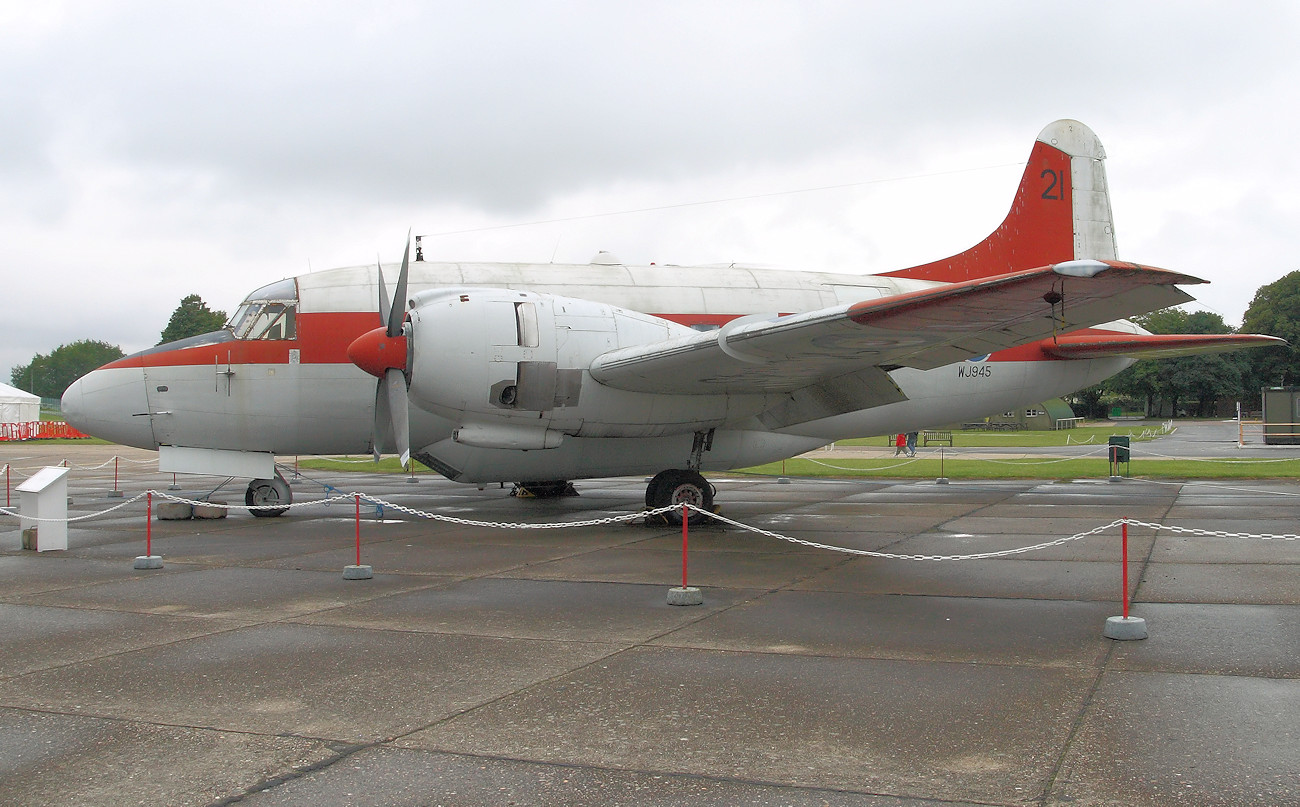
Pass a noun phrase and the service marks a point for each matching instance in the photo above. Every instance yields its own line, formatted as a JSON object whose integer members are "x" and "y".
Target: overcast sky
{"x": 150, "y": 150}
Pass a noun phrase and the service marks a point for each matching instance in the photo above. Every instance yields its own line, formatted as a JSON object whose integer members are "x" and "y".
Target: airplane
{"x": 540, "y": 374}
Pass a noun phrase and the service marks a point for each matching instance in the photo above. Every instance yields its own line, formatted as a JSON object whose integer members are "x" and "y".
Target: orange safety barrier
{"x": 39, "y": 430}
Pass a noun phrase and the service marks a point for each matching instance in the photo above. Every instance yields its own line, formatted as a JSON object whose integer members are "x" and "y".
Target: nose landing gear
{"x": 262, "y": 492}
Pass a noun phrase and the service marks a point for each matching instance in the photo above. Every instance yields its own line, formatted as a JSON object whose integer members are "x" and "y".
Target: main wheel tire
{"x": 265, "y": 492}
{"x": 677, "y": 487}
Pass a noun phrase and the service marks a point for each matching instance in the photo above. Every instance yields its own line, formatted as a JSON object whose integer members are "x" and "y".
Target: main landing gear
{"x": 677, "y": 487}
{"x": 263, "y": 492}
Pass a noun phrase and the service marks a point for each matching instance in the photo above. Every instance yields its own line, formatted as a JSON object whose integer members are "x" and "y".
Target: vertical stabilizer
{"x": 1061, "y": 212}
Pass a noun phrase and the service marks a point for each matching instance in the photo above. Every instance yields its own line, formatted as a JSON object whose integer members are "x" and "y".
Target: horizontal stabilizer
{"x": 1154, "y": 346}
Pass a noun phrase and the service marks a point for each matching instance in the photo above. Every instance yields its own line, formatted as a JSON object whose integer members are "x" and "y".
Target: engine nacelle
{"x": 510, "y": 368}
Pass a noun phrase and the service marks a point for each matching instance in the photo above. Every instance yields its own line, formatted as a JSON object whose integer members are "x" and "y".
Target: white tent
{"x": 17, "y": 406}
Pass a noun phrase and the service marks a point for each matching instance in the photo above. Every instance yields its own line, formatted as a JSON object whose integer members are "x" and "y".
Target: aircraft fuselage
{"x": 280, "y": 381}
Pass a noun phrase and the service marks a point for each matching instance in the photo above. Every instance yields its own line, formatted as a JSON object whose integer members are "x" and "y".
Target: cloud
{"x": 165, "y": 148}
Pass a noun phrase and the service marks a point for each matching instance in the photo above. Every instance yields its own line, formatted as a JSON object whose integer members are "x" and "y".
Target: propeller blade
{"x": 383, "y": 431}
{"x": 384, "y": 307}
{"x": 399, "y": 415}
{"x": 392, "y": 410}
{"x": 398, "y": 315}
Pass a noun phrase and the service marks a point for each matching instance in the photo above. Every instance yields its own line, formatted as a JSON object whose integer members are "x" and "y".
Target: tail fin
{"x": 1061, "y": 213}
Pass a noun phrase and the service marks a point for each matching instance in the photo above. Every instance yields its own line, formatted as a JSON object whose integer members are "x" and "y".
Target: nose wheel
{"x": 677, "y": 487}
{"x": 269, "y": 492}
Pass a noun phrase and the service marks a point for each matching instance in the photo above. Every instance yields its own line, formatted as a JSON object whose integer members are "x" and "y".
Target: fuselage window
{"x": 268, "y": 313}
{"x": 265, "y": 321}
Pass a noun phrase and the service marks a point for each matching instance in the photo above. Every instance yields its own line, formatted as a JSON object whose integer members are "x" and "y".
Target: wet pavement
{"x": 495, "y": 666}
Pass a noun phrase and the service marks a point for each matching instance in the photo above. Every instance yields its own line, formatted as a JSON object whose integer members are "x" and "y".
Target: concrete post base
{"x": 173, "y": 511}
{"x": 357, "y": 573}
{"x": 685, "y": 596}
{"x": 1125, "y": 629}
{"x": 148, "y": 562}
{"x": 213, "y": 509}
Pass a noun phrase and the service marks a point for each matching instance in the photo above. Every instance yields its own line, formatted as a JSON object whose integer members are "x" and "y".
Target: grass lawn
{"x": 1083, "y": 435}
{"x": 927, "y": 468}
{"x": 387, "y": 465}
{"x": 1030, "y": 468}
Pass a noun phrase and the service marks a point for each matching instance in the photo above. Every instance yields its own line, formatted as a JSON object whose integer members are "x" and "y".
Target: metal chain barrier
{"x": 518, "y": 525}
{"x": 1213, "y": 533}
{"x": 1225, "y": 460}
{"x": 887, "y": 467}
{"x": 1212, "y": 485}
{"x": 251, "y": 507}
{"x": 900, "y": 556}
{"x": 6, "y": 511}
{"x": 1025, "y": 460}
{"x": 507, "y": 525}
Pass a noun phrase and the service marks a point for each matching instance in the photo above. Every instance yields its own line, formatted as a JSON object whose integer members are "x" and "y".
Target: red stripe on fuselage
{"x": 324, "y": 338}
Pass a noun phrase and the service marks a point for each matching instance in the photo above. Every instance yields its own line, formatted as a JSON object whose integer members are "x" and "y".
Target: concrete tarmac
{"x": 498, "y": 666}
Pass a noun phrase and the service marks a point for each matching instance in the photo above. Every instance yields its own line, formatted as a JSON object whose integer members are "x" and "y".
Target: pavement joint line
{"x": 1147, "y": 561}
{"x": 686, "y": 775}
{"x": 620, "y": 649}
{"x": 170, "y": 725}
{"x": 1085, "y": 706}
{"x": 1076, "y": 727}
{"x": 118, "y": 654}
{"x": 342, "y": 749}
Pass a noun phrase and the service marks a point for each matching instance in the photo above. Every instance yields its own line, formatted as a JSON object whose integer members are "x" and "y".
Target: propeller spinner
{"x": 382, "y": 353}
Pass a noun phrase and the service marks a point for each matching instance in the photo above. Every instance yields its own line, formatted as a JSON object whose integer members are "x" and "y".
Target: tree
{"x": 1204, "y": 378}
{"x": 191, "y": 318}
{"x": 1180, "y": 381}
{"x": 48, "y": 376}
{"x": 1275, "y": 311}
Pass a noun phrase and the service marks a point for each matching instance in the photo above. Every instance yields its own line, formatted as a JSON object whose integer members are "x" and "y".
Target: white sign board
{"x": 44, "y": 496}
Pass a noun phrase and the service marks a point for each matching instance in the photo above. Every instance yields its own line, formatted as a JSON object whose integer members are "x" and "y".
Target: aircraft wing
{"x": 923, "y": 329}
{"x": 1155, "y": 346}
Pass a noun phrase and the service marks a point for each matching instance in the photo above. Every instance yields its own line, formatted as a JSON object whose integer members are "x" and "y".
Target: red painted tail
{"x": 1061, "y": 213}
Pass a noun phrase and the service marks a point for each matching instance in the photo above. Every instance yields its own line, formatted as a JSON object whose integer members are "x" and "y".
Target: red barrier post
{"x": 114, "y": 474}
{"x": 358, "y": 572}
{"x": 686, "y": 517}
{"x": 685, "y": 595}
{"x": 148, "y": 560}
{"x": 7, "y": 504}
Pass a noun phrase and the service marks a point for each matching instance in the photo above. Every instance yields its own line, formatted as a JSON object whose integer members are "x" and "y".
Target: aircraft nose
{"x": 72, "y": 406}
{"x": 110, "y": 403}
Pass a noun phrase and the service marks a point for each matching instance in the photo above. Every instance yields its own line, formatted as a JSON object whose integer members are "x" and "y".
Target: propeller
{"x": 382, "y": 353}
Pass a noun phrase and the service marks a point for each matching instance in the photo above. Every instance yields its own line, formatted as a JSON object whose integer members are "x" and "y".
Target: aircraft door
{"x": 161, "y": 420}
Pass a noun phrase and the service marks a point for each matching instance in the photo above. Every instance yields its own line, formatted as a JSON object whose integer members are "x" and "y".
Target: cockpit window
{"x": 268, "y": 313}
